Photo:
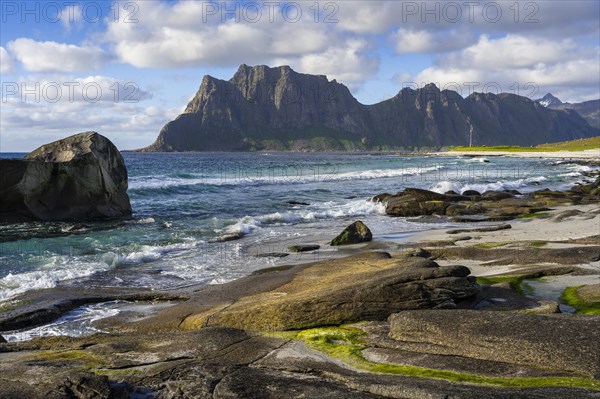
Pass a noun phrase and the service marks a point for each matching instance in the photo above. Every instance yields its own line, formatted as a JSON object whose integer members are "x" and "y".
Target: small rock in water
{"x": 356, "y": 233}
{"x": 297, "y": 203}
{"x": 2, "y": 340}
{"x": 303, "y": 248}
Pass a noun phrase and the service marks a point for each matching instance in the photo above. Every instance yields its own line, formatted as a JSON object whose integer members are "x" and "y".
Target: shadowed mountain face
{"x": 264, "y": 108}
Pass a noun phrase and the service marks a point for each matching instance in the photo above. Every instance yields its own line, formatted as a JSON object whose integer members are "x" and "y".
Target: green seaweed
{"x": 490, "y": 245}
{"x": 345, "y": 343}
{"x": 533, "y": 215}
{"x": 570, "y": 297}
{"x": 515, "y": 282}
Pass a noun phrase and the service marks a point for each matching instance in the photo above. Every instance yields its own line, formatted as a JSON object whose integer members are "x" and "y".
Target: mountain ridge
{"x": 277, "y": 108}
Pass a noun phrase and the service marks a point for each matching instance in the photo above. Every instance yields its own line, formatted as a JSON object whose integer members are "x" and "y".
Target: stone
{"x": 562, "y": 342}
{"x": 471, "y": 193}
{"x": 356, "y": 233}
{"x": 303, "y": 247}
{"x": 82, "y": 177}
{"x": 369, "y": 286}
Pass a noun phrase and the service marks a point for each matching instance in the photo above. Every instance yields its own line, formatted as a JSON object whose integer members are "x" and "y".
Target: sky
{"x": 125, "y": 68}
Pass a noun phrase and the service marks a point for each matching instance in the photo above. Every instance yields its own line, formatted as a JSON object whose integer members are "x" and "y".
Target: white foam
{"x": 328, "y": 210}
{"x": 48, "y": 276}
{"x": 75, "y": 323}
{"x": 459, "y": 187}
{"x": 282, "y": 176}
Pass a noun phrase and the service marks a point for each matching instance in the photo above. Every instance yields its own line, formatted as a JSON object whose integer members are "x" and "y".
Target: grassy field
{"x": 574, "y": 145}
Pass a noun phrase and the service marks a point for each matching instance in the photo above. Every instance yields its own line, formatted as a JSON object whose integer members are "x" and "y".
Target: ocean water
{"x": 183, "y": 203}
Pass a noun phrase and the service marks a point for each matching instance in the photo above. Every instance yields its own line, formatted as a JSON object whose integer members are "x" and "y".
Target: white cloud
{"x": 71, "y": 16}
{"x": 349, "y": 64}
{"x": 526, "y": 66}
{"x": 56, "y": 57}
{"x": 6, "y": 62}
{"x": 425, "y": 41}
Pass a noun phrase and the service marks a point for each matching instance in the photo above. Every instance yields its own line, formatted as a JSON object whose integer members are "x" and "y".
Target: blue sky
{"x": 126, "y": 68}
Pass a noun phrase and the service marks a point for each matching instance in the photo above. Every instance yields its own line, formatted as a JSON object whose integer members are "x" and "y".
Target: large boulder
{"x": 81, "y": 177}
{"x": 356, "y": 233}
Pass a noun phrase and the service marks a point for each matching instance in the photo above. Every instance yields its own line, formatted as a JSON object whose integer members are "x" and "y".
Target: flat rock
{"x": 369, "y": 286}
{"x": 303, "y": 247}
{"x": 561, "y": 342}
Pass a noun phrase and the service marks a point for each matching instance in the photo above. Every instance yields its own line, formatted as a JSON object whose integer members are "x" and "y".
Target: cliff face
{"x": 264, "y": 108}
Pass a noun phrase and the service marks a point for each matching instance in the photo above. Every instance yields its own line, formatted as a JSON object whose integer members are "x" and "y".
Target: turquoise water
{"x": 183, "y": 202}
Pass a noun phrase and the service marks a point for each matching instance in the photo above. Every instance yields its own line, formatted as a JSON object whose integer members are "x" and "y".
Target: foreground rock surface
{"x": 81, "y": 177}
{"x": 564, "y": 342}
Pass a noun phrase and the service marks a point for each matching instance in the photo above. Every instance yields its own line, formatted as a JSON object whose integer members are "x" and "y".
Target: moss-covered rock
{"x": 356, "y": 233}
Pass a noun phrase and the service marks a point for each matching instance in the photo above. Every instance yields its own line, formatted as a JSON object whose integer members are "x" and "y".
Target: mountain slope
{"x": 264, "y": 108}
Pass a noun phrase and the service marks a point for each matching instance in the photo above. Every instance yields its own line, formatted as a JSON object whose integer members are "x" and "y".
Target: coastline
{"x": 563, "y": 154}
{"x": 431, "y": 313}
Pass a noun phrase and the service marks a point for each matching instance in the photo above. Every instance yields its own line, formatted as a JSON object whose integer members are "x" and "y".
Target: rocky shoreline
{"x": 450, "y": 313}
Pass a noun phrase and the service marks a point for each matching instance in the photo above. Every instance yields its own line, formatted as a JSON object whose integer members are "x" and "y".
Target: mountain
{"x": 264, "y": 108}
{"x": 549, "y": 101}
{"x": 589, "y": 110}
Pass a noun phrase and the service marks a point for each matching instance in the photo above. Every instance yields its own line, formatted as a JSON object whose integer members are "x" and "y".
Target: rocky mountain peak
{"x": 549, "y": 100}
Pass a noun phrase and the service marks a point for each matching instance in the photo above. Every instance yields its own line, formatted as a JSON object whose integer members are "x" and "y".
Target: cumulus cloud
{"x": 424, "y": 41}
{"x": 6, "y": 62}
{"x": 526, "y": 66}
{"x": 51, "y": 56}
{"x": 350, "y": 64}
{"x": 170, "y": 36}
{"x": 37, "y": 108}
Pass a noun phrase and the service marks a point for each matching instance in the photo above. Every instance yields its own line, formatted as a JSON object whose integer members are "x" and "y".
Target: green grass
{"x": 570, "y": 297}
{"x": 574, "y": 145}
{"x": 345, "y": 344}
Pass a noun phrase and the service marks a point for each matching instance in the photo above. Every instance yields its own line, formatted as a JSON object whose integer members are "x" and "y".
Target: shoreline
{"x": 562, "y": 154}
{"x": 431, "y": 313}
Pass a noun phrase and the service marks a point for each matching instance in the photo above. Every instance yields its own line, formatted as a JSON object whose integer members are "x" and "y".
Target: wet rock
{"x": 471, "y": 193}
{"x": 230, "y": 237}
{"x": 303, "y": 247}
{"x": 81, "y": 177}
{"x": 563, "y": 342}
{"x": 381, "y": 197}
{"x": 2, "y": 340}
{"x": 481, "y": 229}
{"x": 356, "y": 233}
{"x": 272, "y": 255}
{"x": 297, "y": 203}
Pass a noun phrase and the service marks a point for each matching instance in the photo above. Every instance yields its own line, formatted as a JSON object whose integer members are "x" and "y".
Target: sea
{"x": 185, "y": 204}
